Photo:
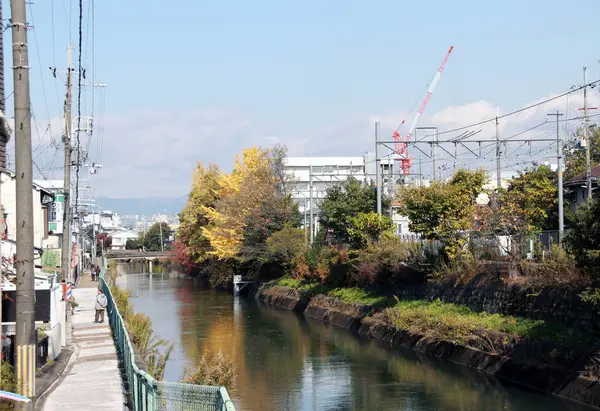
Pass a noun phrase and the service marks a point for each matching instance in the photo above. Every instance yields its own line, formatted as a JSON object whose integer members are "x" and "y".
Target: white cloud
{"x": 152, "y": 153}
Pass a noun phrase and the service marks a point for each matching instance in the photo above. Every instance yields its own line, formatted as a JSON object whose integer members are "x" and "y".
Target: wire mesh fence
{"x": 144, "y": 392}
{"x": 490, "y": 247}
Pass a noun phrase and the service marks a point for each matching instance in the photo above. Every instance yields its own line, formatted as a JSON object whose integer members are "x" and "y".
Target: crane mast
{"x": 400, "y": 146}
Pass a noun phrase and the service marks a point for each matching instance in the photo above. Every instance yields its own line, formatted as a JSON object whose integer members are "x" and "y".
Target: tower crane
{"x": 400, "y": 145}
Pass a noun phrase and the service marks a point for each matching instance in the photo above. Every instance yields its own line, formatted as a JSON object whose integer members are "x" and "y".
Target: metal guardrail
{"x": 148, "y": 394}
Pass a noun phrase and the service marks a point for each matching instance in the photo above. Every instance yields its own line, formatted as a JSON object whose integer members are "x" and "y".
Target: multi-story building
{"x": 326, "y": 172}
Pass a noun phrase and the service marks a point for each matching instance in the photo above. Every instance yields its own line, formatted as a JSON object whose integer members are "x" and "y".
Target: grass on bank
{"x": 301, "y": 286}
{"x": 446, "y": 321}
{"x": 458, "y": 323}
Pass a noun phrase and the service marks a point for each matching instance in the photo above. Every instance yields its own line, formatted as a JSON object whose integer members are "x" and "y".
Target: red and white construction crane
{"x": 400, "y": 145}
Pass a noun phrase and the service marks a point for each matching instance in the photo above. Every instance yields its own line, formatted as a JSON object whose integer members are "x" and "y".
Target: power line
{"x": 519, "y": 110}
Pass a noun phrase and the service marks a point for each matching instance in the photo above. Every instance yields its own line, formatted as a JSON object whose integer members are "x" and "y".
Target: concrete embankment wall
{"x": 529, "y": 364}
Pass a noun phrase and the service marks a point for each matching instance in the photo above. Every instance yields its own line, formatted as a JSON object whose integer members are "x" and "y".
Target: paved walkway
{"x": 92, "y": 380}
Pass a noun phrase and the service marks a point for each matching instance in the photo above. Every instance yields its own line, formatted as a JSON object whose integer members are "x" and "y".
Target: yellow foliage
{"x": 240, "y": 192}
{"x": 204, "y": 193}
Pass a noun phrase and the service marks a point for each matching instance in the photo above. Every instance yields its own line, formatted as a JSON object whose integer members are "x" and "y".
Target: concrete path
{"x": 92, "y": 380}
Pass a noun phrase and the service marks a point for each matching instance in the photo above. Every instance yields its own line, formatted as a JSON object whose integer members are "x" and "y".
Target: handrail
{"x": 145, "y": 392}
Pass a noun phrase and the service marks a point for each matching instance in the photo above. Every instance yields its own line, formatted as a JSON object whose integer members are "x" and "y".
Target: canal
{"x": 287, "y": 362}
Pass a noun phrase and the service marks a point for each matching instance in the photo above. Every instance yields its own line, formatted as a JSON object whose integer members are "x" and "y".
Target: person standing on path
{"x": 98, "y": 273}
{"x": 101, "y": 303}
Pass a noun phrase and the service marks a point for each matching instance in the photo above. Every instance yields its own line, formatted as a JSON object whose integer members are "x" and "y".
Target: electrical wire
{"x": 80, "y": 76}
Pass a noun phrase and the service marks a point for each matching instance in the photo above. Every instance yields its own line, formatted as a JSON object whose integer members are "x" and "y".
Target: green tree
{"x": 275, "y": 213}
{"x": 583, "y": 239}
{"x": 445, "y": 210}
{"x": 346, "y": 200}
{"x": 285, "y": 246}
{"x": 366, "y": 228}
{"x": 535, "y": 193}
{"x": 133, "y": 244}
{"x": 156, "y": 236}
{"x": 575, "y": 155}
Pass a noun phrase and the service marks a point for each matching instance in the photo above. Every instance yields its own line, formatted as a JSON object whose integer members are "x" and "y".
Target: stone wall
{"x": 491, "y": 294}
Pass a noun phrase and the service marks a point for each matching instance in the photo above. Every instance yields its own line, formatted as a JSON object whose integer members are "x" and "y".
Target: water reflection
{"x": 286, "y": 362}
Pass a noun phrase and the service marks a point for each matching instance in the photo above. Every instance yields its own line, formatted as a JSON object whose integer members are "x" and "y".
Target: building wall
{"x": 10, "y": 206}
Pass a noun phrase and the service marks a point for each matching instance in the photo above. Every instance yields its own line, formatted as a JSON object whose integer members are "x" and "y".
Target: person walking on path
{"x": 98, "y": 273}
{"x": 101, "y": 303}
{"x": 93, "y": 272}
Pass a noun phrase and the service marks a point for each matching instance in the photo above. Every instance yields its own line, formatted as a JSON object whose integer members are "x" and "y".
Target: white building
{"x": 329, "y": 171}
{"x": 42, "y": 198}
{"x": 119, "y": 239}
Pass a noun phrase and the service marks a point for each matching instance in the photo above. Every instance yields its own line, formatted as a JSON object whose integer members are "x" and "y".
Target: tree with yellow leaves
{"x": 192, "y": 244}
{"x": 240, "y": 192}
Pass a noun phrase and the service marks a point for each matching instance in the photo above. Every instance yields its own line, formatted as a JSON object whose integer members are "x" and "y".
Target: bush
{"x": 366, "y": 228}
{"x": 385, "y": 263}
{"x": 221, "y": 273}
{"x": 9, "y": 383}
{"x": 219, "y": 370}
{"x": 583, "y": 239}
{"x": 321, "y": 264}
{"x": 285, "y": 246}
{"x": 558, "y": 269}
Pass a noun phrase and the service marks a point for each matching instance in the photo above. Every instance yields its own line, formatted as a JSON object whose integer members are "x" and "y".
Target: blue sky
{"x": 201, "y": 80}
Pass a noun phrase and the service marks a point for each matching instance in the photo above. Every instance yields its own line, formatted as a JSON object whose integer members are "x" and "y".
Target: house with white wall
{"x": 119, "y": 239}
{"x": 42, "y": 198}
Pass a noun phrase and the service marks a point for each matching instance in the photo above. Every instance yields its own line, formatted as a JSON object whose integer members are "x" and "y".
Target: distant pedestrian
{"x": 93, "y": 272}
{"x": 98, "y": 273}
{"x": 100, "y": 306}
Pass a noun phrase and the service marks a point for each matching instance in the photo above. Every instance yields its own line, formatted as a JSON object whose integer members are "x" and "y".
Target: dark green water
{"x": 286, "y": 362}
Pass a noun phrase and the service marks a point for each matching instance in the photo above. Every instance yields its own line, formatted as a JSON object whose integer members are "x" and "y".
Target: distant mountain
{"x": 142, "y": 206}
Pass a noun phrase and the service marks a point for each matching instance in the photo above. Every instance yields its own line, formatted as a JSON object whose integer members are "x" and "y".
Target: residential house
{"x": 119, "y": 239}
{"x": 575, "y": 189}
{"x": 42, "y": 198}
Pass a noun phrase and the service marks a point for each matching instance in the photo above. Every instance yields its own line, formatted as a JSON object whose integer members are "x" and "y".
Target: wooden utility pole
{"x": 588, "y": 162}
{"x": 66, "y": 231}
{"x": 25, "y": 294}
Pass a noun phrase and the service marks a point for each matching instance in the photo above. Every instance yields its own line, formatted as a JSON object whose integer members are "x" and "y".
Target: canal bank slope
{"x": 541, "y": 365}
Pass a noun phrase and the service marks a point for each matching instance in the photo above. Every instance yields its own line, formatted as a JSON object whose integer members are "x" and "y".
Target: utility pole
{"x": 420, "y": 171}
{"x": 498, "y": 154}
{"x": 94, "y": 253}
{"x": 588, "y": 162}
{"x": 559, "y": 170}
{"x": 25, "y": 295}
{"x": 66, "y": 232}
{"x": 162, "y": 247}
{"x": 310, "y": 200}
{"x": 377, "y": 168}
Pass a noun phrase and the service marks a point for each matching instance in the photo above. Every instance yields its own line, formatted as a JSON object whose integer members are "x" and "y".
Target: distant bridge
{"x": 136, "y": 255}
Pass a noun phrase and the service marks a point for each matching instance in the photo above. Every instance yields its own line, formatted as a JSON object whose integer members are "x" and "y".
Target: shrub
{"x": 366, "y": 228}
{"x": 9, "y": 383}
{"x": 558, "y": 269}
{"x": 583, "y": 240}
{"x": 286, "y": 246}
{"x": 321, "y": 264}
{"x": 385, "y": 262}
{"x": 217, "y": 370}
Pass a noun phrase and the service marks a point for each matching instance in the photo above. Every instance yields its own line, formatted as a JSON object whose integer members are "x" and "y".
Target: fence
{"x": 485, "y": 247}
{"x": 148, "y": 394}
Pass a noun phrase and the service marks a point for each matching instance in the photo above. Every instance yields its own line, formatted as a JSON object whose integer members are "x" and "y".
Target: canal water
{"x": 287, "y": 362}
